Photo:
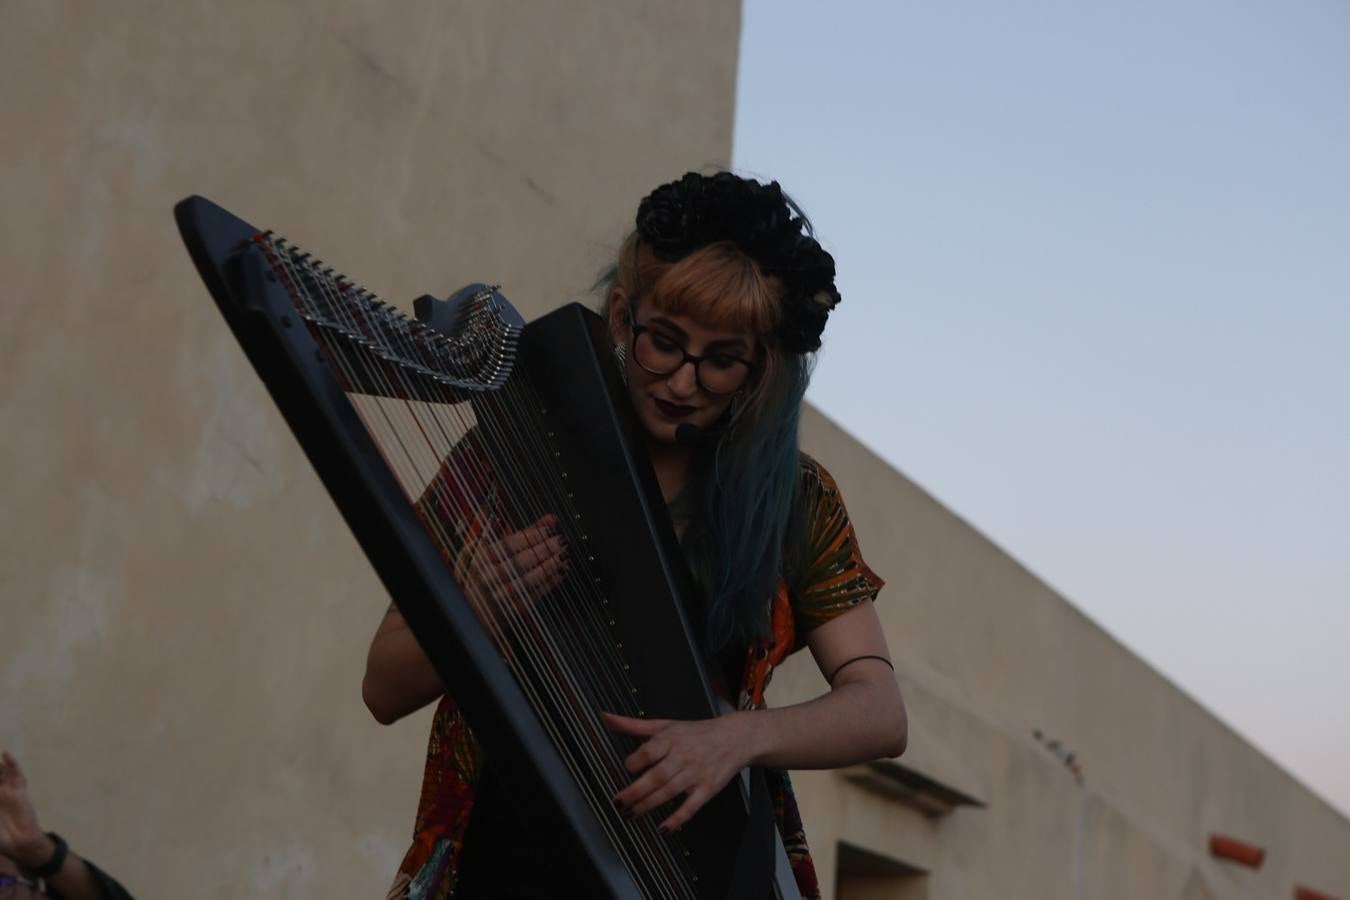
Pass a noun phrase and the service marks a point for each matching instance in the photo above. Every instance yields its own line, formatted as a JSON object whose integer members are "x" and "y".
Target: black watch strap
{"x": 53, "y": 865}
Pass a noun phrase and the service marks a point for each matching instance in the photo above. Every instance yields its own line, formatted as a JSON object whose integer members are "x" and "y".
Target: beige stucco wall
{"x": 987, "y": 654}
{"x": 183, "y": 615}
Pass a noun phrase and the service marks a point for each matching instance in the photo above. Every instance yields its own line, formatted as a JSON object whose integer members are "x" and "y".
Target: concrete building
{"x": 1004, "y": 679}
{"x": 183, "y": 614}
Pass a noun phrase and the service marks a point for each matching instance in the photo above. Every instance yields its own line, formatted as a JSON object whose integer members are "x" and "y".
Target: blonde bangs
{"x": 717, "y": 285}
{"x": 721, "y": 288}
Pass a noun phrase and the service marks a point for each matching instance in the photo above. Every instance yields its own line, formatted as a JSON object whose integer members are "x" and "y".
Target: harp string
{"x": 394, "y": 458}
{"x": 538, "y": 605}
{"x": 404, "y": 444}
{"x": 620, "y": 700}
{"x": 524, "y": 625}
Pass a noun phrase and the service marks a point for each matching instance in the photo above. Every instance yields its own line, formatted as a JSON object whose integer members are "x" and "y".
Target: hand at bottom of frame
{"x": 694, "y": 759}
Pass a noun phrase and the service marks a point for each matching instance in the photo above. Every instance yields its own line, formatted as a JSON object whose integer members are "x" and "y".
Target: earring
{"x": 621, "y": 357}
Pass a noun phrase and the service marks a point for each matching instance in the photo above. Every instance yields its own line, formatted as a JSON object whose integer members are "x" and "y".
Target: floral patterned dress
{"x": 836, "y": 579}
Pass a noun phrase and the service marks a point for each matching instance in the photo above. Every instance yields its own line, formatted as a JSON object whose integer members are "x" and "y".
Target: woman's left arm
{"x": 862, "y": 717}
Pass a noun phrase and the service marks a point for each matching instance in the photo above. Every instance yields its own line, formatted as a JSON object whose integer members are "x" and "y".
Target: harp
{"x": 381, "y": 405}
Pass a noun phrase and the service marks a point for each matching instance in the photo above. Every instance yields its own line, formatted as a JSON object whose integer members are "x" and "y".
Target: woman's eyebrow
{"x": 727, "y": 343}
{"x": 669, "y": 326}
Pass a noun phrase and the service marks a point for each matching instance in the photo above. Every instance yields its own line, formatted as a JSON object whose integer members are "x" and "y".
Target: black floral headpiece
{"x": 680, "y": 217}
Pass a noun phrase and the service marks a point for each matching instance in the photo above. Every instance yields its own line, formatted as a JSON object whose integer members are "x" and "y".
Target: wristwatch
{"x": 53, "y": 865}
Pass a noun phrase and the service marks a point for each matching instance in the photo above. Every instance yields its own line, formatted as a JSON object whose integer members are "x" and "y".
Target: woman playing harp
{"x": 716, "y": 303}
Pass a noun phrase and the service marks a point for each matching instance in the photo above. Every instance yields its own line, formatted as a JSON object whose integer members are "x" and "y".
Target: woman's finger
{"x": 635, "y": 727}
{"x": 650, "y": 782}
{"x": 501, "y": 564}
{"x": 531, "y": 535}
{"x": 548, "y": 522}
{"x": 692, "y": 804}
{"x": 505, "y": 574}
{"x": 649, "y": 754}
{"x": 547, "y": 575}
{"x": 673, "y": 787}
{"x": 519, "y": 541}
{"x": 537, "y": 554}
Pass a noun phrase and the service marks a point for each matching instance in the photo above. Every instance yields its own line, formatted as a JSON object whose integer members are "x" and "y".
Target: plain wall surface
{"x": 184, "y": 615}
{"x": 988, "y": 655}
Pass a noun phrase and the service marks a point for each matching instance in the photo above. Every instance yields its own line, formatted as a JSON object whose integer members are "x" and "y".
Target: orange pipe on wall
{"x": 1239, "y": 852}
{"x": 1302, "y": 893}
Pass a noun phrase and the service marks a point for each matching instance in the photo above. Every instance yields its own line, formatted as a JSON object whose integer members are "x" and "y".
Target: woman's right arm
{"x": 399, "y": 677}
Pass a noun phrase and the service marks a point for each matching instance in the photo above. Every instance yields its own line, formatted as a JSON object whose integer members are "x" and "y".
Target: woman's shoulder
{"x": 815, "y": 478}
{"x": 832, "y": 576}
{"x": 823, "y": 504}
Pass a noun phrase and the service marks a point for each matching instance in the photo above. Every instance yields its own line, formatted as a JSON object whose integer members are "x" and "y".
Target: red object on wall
{"x": 1231, "y": 848}
{"x": 1302, "y": 893}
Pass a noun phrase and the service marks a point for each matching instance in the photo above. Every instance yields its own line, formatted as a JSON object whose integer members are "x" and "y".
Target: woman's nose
{"x": 683, "y": 381}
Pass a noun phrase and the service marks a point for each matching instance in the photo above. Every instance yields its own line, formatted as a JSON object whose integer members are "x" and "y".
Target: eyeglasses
{"x": 716, "y": 373}
{"x": 10, "y": 884}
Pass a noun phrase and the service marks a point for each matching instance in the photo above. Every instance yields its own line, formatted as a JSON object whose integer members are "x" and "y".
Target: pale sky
{"x": 1097, "y": 260}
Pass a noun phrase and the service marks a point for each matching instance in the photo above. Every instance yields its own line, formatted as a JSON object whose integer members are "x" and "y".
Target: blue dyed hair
{"x": 748, "y": 535}
{"x": 744, "y": 485}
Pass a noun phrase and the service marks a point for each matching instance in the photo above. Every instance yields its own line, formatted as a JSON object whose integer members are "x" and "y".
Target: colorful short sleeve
{"x": 834, "y": 577}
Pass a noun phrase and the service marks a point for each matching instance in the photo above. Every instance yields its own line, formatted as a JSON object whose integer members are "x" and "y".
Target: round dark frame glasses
{"x": 727, "y": 380}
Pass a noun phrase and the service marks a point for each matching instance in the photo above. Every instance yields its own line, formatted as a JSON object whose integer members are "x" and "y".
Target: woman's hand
{"x": 695, "y": 759}
{"x": 497, "y": 575}
{"x": 19, "y": 830}
{"x": 22, "y": 840}
{"x": 504, "y": 572}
